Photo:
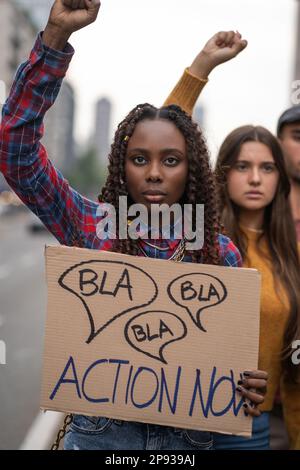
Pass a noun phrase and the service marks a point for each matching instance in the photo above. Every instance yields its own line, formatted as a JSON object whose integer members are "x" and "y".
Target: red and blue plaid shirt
{"x": 69, "y": 216}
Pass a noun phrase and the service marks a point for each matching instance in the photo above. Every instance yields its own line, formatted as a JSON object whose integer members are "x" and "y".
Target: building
{"x": 17, "y": 34}
{"x": 198, "y": 115}
{"x": 102, "y": 129}
{"x": 59, "y": 129}
{"x": 59, "y": 122}
{"x": 37, "y": 9}
{"x": 297, "y": 59}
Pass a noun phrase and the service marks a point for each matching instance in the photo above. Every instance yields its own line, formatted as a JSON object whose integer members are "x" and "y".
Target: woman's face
{"x": 252, "y": 181}
{"x": 156, "y": 164}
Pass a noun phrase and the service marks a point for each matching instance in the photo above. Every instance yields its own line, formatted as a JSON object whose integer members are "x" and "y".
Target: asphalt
{"x": 22, "y": 319}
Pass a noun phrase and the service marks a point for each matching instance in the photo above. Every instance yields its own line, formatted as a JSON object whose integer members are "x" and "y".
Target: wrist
{"x": 201, "y": 66}
{"x": 55, "y": 38}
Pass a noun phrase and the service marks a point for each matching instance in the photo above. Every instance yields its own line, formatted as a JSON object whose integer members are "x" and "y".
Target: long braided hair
{"x": 200, "y": 187}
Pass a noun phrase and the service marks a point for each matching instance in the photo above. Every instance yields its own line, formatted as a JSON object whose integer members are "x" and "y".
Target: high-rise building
{"x": 20, "y": 20}
{"x": 59, "y": 121}
{"x": 198, "y": 115}
{"x": 102, "y": 129}
{"x": 59, "y": 129}
{"x": 17, "y": 34}
{"x": 37, "y": 9}
{"x": 297, "y": 61}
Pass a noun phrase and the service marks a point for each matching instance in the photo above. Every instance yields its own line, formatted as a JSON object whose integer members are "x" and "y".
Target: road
{"x": 22, "y": 319}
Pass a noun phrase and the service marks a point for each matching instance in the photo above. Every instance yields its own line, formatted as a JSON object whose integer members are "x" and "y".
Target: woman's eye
{"x": 269, "y": 168}
{"x": 139, "y": 160}
{"x": 240, "y": 166}
{"x": 171, "y": 161}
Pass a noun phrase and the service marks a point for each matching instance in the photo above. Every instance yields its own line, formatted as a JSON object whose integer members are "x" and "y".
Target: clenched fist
{"x": 74, "y": 5}
{"x": 71, "y": 15}
{"x": 66, "y": 17}
{"x": 222, "y": 47}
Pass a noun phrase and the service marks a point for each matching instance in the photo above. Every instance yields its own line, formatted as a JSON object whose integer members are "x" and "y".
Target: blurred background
{"x": 134, "y": 53}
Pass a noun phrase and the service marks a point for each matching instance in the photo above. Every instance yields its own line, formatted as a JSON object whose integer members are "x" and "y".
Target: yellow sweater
{"x": 274, "y": 303}
{"x": 186, "y": 91}
{"x": 297, "y": 447}
{"x": 273, "y": 318}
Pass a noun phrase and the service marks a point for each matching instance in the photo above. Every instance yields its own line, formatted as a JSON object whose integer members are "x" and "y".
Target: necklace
{"x": 178, "y": 254}
{"x": 159, "y": 248}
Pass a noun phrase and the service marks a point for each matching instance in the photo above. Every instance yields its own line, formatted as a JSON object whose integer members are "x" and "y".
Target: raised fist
{"x": 72, "y": 15}
{"x": 79, "y": 4}
{"x": 224, "y": 46}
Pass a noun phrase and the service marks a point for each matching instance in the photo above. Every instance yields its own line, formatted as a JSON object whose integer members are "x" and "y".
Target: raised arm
{"x": 222, "y": 47}
{"x": 23, "y": 159}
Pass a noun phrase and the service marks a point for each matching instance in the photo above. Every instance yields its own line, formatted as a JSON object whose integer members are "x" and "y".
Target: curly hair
{"x": 200, "y": 186}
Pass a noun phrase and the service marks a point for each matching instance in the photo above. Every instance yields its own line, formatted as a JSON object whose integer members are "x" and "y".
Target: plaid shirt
{"x": 69, "y": 216}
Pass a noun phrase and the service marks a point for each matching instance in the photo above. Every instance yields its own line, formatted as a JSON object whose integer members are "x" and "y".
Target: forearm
{"x": 201, "y": 66}
{"x": 222, "y": 47}
{"x": 23, "y": 159}
{"x": 189, "y": 87}
{"x": 55, "y": 38}
{"x": 186, "y": 91}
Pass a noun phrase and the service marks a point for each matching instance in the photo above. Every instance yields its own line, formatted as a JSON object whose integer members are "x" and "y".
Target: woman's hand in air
{"x": 222, "y": 47}
{"x": 66, "y": 17}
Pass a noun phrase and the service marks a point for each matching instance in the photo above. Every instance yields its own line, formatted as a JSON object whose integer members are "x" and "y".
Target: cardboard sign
{"x": 149, "y": 340}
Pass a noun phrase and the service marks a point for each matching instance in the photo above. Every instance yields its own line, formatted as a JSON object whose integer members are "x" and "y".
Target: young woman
{"x": 157, "y": 155}
{"x": 254, "y": 189}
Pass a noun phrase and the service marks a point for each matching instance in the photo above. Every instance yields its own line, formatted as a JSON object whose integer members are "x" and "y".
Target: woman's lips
{"x": 254, "y": 195}
{"x": 154, "y": 197}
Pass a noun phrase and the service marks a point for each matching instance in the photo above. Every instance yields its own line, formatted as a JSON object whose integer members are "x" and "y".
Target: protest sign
{"x": 149, "y": 340}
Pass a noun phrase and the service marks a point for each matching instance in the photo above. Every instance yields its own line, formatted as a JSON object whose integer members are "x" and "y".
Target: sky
{"x": 137, "y": 50}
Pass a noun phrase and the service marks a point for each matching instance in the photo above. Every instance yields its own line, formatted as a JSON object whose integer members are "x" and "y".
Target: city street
{"x": 22, "y": 318}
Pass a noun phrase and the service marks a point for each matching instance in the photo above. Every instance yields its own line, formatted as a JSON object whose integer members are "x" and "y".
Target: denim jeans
{"x": 98, "y": 433}
{"x": 259, "y": 440}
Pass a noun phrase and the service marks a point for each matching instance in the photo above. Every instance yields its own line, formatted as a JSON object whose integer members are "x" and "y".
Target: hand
{"x": 253, "y": 386}
{"x": 69, "y": 16}
{"x": 222, "y": 47}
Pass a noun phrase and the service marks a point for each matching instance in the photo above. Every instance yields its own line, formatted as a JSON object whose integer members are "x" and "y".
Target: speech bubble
{"x": 150, "y": 332}
{"x": 108, "y": 290}
{"x": 196, "y": 292}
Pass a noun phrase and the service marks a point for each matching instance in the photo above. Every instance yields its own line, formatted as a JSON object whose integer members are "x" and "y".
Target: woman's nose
{"x": 154, "y": 172}
{"x": 255, "y": 177}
